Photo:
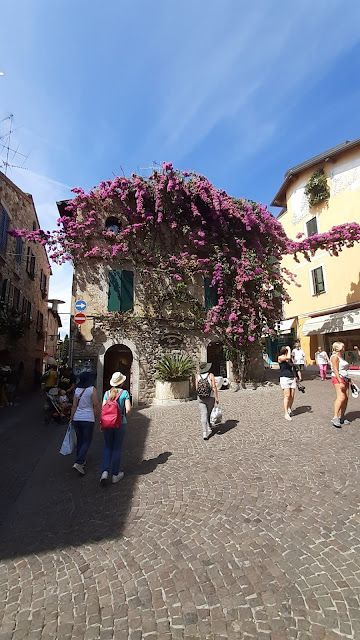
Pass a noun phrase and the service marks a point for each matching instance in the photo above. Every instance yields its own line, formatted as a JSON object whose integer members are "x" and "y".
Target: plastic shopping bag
{"x": 215, "y": 416}
{"x": 68, "y": 444}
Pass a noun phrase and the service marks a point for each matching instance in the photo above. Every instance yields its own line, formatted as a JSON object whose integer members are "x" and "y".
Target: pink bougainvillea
{"x": 177, "y": 224}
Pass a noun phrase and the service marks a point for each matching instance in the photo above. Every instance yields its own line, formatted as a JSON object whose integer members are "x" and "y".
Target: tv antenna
{"x": 6, "y": 148}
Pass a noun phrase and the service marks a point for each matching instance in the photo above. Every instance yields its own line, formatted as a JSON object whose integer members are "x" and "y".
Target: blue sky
{"x": 237, "y": 91}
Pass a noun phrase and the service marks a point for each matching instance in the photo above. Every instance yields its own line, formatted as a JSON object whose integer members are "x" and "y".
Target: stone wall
{"x": 29, "y": 348}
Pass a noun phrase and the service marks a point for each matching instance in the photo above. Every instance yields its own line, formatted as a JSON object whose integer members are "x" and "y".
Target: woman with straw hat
{"x": 114, "y": 437}
{"x": 207, "y": 395}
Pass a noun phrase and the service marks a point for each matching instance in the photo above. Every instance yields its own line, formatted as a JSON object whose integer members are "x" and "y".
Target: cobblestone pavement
{"x": 253, "y": 534}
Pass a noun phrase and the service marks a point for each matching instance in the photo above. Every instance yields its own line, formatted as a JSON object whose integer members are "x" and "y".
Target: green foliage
{"x": 10, "y": 324}
{"x": 317, "y": 189}
{"x": 64, "y": 349}
{"x": 174, "y": 368}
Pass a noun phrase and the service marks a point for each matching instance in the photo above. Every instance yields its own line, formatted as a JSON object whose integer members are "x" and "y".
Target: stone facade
{"x": 24, "y": 282}
{"x": 133, "y": 343}
{"x": 52, "y": 332}
{"x": 141, "y": 341}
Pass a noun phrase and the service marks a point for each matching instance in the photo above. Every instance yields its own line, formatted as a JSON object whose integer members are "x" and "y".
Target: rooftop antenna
{"x": 5, "y": 144}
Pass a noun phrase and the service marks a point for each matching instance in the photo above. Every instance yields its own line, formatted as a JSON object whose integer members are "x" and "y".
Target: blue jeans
{"x": 113, "y": 444}
{"x": 84, "y": 434}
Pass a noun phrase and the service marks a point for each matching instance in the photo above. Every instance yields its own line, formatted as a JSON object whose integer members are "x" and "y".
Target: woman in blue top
{"x": 114, "y": 438}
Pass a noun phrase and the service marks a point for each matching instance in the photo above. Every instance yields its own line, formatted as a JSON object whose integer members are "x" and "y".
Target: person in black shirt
{"x": 287, "y": 379}
{"x": 67, "y": 381}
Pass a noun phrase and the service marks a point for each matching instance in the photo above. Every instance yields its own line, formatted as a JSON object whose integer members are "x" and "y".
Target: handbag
{"x": 68, "y": 444}
{"x": 215, "y": 416}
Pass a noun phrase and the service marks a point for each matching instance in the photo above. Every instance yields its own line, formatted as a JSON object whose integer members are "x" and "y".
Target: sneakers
{"x": 79, "y": 468}
{"x": 354, "y": 391}
{"x": 287, "y": 416}
{"x": 336, "y": 422}
{"x": 344, "y": 421}
{"x": 207, "y": 434}
{"x": 104, "y": 477}
{"x": 119, "y": 476}
{"x": 289, "y": 412}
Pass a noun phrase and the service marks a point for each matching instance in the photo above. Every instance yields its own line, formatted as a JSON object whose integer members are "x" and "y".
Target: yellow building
{"x": 326, "y": 307}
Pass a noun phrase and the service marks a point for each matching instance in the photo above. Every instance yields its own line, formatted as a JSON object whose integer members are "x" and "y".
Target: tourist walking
{"x": 299, "y": 359}
{"x": 207, "y": 395}
{"x": 341, "y": 382}
{"x": 51, "y": 378}
{"x": 85, "y": 410}
{"x": 113, "y": 426}
{"x": 322, "y": 360}
{"x": 287, "y": 380}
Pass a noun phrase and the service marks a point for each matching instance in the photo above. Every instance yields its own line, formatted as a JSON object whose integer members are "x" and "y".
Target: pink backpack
{"x": 111, "y": 416}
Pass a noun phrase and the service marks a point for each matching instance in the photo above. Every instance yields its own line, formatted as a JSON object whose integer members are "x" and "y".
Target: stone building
{"x": 51, "y": 347}
{"x": 24, "y": 283}
{"x": 125, "y": 341}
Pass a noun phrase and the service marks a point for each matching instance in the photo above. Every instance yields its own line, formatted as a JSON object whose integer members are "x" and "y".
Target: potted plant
{"x": 173, "y": 374}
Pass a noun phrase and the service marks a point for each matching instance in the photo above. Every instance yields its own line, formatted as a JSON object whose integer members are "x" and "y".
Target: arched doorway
{"x": 118, "y": 358}
{"x": 215, "y": 354}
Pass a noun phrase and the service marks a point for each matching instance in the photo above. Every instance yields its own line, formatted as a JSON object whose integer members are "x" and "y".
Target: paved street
{"x": 253, "y": 534}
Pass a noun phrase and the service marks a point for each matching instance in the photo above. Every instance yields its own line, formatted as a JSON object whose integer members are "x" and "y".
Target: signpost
{"x": 80, "y": 318}
{"x": 80, "y": 305}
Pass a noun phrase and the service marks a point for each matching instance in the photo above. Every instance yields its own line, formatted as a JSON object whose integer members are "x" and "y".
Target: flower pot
{"x": 172, "y": 392}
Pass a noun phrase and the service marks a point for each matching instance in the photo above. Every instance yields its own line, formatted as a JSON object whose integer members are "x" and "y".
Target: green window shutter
{"x": 121, "y": 291}
{"x": 127, "y": 291}
{"x": 114, "y": 295}
{"x": 211, "y": 296}
{"x": 319, "y": 284}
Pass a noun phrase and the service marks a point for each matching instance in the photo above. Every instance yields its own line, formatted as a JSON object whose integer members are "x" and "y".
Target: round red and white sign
{"x": 80, "y": 318}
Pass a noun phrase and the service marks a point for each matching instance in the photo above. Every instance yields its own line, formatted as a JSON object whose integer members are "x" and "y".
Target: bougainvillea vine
{"x": 176, "y": 228}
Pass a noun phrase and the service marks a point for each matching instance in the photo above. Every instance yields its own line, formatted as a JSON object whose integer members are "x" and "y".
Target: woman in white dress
{"x": 341, "y": 382}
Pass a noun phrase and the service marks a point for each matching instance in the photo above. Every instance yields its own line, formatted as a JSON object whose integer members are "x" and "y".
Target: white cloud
{"x": 247, "y": 68}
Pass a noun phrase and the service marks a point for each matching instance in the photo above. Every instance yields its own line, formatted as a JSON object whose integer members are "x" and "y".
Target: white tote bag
{"x": 68, "y": 444}
{"x": 215, "y": 416}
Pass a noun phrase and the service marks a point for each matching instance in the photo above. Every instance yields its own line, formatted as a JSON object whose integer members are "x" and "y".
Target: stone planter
{"x": 171, "y": 392}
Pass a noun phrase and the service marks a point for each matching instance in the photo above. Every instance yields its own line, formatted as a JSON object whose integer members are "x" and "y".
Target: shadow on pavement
{"x": 148, "y": 466}
{"x": 44, "y": 503}
{"x": 352, "y": 415}
{"x": 225, "y": 427}
{"x": 306, "y": 408}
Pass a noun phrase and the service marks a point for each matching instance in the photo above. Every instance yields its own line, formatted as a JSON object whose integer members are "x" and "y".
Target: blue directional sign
{"x": 80, "y": 305}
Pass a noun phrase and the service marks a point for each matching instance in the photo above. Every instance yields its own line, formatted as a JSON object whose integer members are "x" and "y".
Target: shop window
{"x": 311, "y": 227}
{"x": 318, "y": 281}
{"x": 211, "y": 295}
{"x": 121, "y": 291}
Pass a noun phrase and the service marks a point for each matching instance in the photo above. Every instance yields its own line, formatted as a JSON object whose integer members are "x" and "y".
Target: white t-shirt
{"x": 85, "y": 409}
{"x": 298, "y": 356}
{"x": 321, "y": 357}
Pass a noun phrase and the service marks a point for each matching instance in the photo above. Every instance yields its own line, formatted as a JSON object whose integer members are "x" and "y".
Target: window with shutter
{"x": 4, "y": 227}
{"x": 211, "y": 295}
{"x": 18, "y": 250}
{"x": 318, "y": 280}
{"x": 311, "y": 227}
{"x": 121, "y": 291}
{"x": 5, "y": 290}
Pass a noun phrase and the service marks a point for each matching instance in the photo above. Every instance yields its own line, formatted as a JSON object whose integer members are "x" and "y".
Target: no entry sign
{"x": 80, "y": 318}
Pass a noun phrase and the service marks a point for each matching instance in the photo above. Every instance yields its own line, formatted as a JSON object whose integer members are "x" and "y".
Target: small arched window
{"x": 113, "y": 224}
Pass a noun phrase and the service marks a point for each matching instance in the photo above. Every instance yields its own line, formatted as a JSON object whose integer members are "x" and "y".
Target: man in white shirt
{"x": 299, "y": 359}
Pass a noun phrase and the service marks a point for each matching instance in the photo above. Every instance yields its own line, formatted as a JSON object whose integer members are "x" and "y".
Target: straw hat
{"x": 117, "y": 379}
{"x": 205, "y": 367}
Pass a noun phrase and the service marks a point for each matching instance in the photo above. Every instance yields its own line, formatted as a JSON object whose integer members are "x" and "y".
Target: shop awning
{"x": 286, "y": 325}
{"x": 332, "y": 323}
